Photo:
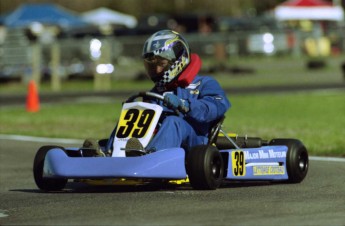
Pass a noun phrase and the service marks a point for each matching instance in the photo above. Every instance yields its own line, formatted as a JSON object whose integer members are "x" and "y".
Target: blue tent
{"x": 2, "y": 18}
{"x": 48, "y": 14}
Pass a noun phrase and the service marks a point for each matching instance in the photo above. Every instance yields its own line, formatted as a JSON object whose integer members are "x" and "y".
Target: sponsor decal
{"x": 156, "y": 45}
{"x": 194, "y": 92}
{"x": 193, "y": 85}
{"x": 194, "y": 88}
{"x": 264, "y": 154}
{"x": 268, "y": 170}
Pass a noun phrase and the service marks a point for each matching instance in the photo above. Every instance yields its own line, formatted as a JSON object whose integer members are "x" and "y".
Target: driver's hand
{"x": 173, "y": 102}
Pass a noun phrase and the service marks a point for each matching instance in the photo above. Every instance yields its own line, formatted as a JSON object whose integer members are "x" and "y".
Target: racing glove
{"x": 173, "y": 102}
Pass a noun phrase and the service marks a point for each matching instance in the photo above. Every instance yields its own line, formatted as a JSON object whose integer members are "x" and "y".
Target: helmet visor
{"x": 156, "y": 66}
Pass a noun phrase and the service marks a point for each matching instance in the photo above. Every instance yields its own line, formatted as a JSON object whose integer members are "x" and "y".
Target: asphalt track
{"x": 318, "y": 200}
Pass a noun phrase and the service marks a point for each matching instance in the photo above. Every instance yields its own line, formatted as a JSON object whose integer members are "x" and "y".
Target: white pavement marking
{"x": 40, "y": 139}
{"x": 327, "y": 159}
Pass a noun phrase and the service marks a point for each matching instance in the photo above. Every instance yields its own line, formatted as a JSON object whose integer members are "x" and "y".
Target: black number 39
{"x": 239, "y": 167}
{"x": 136, "y": 123}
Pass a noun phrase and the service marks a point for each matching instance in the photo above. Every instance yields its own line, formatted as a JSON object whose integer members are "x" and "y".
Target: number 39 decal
{"x": 238, "y": 163}
{"x": 134, "y": 123}
{"x": 139, "y": 120}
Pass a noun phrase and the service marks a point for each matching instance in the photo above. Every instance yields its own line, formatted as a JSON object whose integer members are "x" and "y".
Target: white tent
{"x": 308, "y": 10}
{"x": 103, "y": 16}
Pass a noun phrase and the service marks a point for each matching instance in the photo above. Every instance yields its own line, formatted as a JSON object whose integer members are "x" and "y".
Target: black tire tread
{"x": 46, "y": 184}
{"x": 296, "y": 152}
{"x": 198, "y": 167}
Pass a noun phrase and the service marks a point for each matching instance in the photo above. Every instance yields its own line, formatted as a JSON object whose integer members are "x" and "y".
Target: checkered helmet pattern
{"x": 171, "y": 46}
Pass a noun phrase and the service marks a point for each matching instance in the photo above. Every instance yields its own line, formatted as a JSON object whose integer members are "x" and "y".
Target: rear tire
{"x": 205, "y": 167}
{"x": 46, "y": 184}
{"x": 297, "y": 160}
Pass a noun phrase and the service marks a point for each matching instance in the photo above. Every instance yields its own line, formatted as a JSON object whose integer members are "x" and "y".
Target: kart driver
{"x": 173, "y": 69}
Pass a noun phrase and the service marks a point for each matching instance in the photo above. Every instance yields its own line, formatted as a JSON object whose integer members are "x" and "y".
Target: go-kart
{"x": 205, "y": 167}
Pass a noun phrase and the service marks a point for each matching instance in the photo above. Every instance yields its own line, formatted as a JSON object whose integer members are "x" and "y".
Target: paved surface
{"x": 318, "y": 200}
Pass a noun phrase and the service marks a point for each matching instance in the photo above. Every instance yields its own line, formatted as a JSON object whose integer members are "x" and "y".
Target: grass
{"x": 315, "y": 118}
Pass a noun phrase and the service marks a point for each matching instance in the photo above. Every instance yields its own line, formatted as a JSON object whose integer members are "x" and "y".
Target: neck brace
{"x": 188, "y": 75}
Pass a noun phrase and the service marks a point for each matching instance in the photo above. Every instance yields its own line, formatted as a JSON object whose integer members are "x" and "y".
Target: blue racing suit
{"x": 207, "y": 103}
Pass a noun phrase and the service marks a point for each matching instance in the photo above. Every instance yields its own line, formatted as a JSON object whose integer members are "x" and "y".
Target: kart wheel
{"x": 297, "y": 160}
{"x": 46, "y": 184}
{"x": 205, "y": 167}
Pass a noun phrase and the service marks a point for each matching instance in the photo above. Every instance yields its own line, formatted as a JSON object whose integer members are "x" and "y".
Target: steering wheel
{"x": 149, "y": 95}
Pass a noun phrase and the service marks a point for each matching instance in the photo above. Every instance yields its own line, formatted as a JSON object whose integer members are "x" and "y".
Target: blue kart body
{"x": 264, "y": 163}
{"x": 168, "y": 164}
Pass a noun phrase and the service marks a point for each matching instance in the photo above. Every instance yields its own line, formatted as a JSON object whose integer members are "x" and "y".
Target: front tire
{"x": 297, "y": 160}
{"x": 46, "y": 184}
{"x": 205, "y": 167}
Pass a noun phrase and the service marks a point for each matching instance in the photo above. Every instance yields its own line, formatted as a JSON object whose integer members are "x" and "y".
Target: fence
{"x": 16, "y": 52}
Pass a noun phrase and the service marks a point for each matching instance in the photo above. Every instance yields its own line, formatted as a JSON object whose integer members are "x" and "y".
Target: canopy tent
{"x": 308, "y": 10}
{"x": 103, "y": 16}
{"x": 48, "y": 14}
{"x": 2, "y": 18}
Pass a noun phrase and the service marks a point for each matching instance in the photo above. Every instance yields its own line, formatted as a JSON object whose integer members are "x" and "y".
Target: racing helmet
{"x": 170, "y": 51}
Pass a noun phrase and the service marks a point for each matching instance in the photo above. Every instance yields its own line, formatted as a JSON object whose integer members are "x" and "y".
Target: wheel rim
{"x": 303, "y": 162}
{"x": 215, "y": 167}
